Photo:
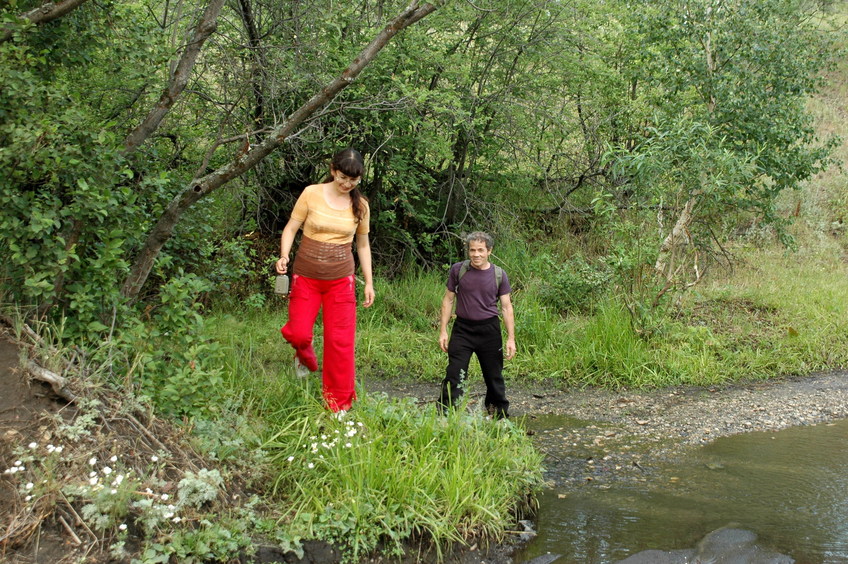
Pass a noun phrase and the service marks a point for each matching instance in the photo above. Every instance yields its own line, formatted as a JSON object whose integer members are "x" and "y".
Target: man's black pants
{"x": 484, "y": 339}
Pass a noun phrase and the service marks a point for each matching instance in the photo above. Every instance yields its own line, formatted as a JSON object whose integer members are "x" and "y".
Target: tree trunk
{"x": 45, "y": 13}
{"x": 679, "y": 235}
{"x": 205, "y": 27}
{"x": 200, "y": 187}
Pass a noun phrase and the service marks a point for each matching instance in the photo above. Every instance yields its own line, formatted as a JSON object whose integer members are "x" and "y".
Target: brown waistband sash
{"x": 323, "y": 261}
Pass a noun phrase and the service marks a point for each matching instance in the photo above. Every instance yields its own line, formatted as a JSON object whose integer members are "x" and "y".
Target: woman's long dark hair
{"x": 350, "y": 163}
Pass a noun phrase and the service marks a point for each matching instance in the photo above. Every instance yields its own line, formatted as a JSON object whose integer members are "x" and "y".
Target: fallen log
{"x": 56, "y": 382}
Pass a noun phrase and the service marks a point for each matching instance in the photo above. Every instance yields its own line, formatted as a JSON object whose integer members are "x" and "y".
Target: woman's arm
{"x": 363, "y": 250}
{"x": 286, "y": 241}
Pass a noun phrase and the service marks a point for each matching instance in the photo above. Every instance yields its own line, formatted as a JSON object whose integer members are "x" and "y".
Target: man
{"x": 476, "y": 285}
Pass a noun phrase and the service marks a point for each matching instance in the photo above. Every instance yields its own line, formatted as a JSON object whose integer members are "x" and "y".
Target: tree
{"x": 732, "y": 131}
{"x": 91, "y": 157}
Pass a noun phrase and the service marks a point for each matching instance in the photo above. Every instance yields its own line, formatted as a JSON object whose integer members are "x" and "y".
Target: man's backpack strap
{"x": 466, "y": 264}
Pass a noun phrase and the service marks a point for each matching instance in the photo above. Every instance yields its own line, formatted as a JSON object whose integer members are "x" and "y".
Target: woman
{"x": 331, "y": 214}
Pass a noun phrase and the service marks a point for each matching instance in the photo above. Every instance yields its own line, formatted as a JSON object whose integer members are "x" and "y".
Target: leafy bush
{"x": 573, "y": 285}
{"x": 169, "y": 357}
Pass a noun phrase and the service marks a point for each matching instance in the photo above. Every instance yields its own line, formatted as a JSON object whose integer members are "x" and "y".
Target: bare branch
{"x": 56, "y": 382}
{"x": 179, "y": 78}
{"x": 45, "y": 13}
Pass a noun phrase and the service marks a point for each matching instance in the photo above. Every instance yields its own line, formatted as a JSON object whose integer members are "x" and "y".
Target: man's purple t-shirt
{"x": 477, "y": 295}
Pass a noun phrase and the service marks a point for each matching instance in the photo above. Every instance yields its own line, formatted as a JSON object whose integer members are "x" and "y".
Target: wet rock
{"x": 544, "y": 559}
{"x": 726, "y": 545}
{"x": 661, "y": 557}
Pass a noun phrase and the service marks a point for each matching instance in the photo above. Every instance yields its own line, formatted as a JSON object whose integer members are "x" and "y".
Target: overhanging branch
{"x": 203, "y": 186}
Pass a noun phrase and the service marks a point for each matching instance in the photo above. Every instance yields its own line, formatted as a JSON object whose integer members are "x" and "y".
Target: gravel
{"x": 601, "y": 436}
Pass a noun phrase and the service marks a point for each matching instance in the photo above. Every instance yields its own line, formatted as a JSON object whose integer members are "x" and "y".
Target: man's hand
{"x": 510, "y": 348}
{"x": 443, "y": 340}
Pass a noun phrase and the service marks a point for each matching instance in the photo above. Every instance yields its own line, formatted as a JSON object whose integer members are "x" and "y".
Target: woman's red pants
{"x": 337, "y": 299}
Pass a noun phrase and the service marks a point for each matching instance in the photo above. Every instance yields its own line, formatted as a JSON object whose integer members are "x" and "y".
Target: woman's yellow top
{"x": 325, "y": 224}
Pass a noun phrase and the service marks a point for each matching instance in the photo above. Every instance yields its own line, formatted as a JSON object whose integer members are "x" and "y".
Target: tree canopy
{"x": 144, "y": 141}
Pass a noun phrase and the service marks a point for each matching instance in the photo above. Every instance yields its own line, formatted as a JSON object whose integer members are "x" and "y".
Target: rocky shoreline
{"x": 603, "y": 436}
{"x": 599, "y": 438}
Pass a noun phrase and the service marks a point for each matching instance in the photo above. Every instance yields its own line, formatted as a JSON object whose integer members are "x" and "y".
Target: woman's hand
{"x": 282, "y": 265}
{"x": 369, "y": 295}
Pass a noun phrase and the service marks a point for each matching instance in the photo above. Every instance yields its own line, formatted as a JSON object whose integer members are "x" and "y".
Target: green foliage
{"x": 169, "y": 358}
{"x": 571, "y": 285}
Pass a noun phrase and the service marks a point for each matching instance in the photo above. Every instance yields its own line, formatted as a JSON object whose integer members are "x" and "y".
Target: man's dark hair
{"x": 480, "y": 236}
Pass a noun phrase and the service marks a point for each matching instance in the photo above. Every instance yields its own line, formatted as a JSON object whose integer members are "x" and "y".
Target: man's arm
{"x": 509, "y": 321}
{"x": 447, "y": 310}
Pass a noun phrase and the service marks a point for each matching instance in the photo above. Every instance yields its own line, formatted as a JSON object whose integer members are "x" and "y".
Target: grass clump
{"x": 390, "y": 473}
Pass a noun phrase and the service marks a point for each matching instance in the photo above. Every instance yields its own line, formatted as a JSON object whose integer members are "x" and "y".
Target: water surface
{"x": 789, "y": 487}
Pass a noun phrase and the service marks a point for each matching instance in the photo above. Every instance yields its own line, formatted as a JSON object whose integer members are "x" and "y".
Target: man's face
{"x": 478, "y": 253}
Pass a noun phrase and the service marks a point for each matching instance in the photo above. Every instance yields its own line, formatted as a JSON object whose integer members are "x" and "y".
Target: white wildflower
{"x": 310, "y": 465}
{"x": 33, "y": 445}
{"x": 123, "y": 526}
{"x": 92, "y": 461}
{"x": 93, "y": 481}
{"x": 154, "y": 458}
{"x": 113, "y": 459}
{"x": 291, "y": 458}
{"x": 164, "y": 497}
{"x": 29, "y": 485}
{"x": 107, "y": 470}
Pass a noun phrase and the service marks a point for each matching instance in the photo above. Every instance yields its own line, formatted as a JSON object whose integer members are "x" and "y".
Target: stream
{"x": 790, "y": 488}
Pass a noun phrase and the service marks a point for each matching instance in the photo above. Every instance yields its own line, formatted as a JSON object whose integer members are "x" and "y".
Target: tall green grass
{"x": 776, "y": 313}
{"x": 389, "y": 473}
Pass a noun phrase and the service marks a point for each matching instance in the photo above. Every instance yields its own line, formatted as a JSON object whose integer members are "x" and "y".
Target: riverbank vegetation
{"x": 662, "y": 180}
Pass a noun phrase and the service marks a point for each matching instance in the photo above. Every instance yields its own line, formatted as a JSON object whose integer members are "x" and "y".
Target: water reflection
{"x": 789, "y": 487}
